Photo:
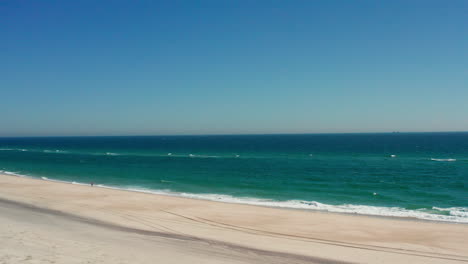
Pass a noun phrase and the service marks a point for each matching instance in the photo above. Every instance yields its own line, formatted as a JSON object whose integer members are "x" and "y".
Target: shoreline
{"x": 178, "y": 195}
{"x": 323, "y": 235}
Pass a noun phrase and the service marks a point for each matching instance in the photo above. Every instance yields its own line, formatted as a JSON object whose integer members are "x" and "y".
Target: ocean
{"x": 416, "y": 175}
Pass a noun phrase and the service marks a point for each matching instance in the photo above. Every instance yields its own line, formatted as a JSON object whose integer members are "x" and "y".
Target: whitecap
{"x": 443, "y": 159}
{"x": 12, "y": 149}
{"x": 202, "y": 156}
{"x": 54, "y": 151}
{"x": 167, "y": 181}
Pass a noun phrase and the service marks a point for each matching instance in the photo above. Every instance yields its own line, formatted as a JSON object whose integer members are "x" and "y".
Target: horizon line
{"x": 240, "y": 134}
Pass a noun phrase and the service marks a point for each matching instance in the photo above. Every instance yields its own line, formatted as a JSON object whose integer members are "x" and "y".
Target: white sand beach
{"x": 51, "y": 222}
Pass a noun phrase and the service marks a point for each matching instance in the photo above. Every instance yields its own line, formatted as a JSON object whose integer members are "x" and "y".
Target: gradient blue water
{"x": 336, "y": 172}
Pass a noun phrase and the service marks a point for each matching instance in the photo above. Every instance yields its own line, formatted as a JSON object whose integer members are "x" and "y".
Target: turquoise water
{"x": 422, "y": 175}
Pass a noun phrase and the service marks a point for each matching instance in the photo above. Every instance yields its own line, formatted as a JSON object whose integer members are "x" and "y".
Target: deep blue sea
{"x": 421, "y": 175}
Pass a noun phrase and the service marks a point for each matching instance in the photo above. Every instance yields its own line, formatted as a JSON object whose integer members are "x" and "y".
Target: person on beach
{"x": 92, "y": 184}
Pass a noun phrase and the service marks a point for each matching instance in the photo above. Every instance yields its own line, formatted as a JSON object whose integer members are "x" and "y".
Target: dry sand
{"x": 50, "y": 222}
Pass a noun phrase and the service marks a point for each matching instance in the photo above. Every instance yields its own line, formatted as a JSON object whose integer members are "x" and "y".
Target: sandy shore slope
{"x": 49, "y": 222}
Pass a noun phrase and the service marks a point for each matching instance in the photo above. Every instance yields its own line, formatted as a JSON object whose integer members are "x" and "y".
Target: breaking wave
{"x": 443, "y": 159}
{"x": 451, "y": 214}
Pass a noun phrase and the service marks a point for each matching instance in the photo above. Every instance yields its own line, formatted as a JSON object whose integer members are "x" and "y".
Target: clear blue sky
{"x": 215, "y": 67}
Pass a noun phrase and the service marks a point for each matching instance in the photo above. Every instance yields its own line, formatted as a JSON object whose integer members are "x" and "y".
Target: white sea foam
{"x": 12, "y": 173}
{"x": 12, "y": 149}
{"x": 79, "y": 183}
{"x": 116, "y": 154}
{"x": 55, "y": 151}
{"x": 204, "y": 156}
{"x": 455, "y": 211}
{"x": 443, "y": 159}
{"x": 451, "y": 214}
{"x": 35, "y": 150}
{"x": 456, "y": 214}
{"x": 28, "y": 176}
